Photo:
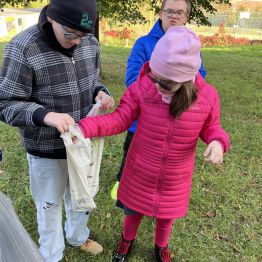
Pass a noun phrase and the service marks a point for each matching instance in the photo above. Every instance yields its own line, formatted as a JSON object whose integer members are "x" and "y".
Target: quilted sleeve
{"x": 116, "y": 122}
{"x": 212, "y": 129}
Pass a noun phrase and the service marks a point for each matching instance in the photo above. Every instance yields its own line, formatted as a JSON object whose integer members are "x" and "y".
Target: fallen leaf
{"x": 211, "y": 214}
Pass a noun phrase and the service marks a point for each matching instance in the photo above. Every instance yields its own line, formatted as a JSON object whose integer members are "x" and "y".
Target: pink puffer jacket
{"x": 157, "y": 177}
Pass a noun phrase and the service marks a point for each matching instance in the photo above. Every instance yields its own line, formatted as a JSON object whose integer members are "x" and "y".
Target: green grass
{"x": 224, "y": 219}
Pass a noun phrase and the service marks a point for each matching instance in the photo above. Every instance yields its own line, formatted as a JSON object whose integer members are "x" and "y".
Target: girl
{"x": 172, "y": 12}
{"x": 175, "y": 106}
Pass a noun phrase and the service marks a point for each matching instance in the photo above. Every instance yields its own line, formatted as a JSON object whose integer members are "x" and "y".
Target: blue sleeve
{"x": 202, "y": 70}
{"x": 136, "y": 60}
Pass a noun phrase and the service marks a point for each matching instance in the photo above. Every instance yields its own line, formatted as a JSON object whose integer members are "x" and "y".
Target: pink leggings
{"x": 162, "y": 229}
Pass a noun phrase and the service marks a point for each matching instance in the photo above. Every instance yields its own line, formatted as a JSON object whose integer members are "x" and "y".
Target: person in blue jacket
{"x": 172, "y": 13}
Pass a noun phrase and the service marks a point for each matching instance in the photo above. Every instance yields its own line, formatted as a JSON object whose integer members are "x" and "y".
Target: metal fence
{"x": 238, "y": 20}
{"x": 237, "y": 24}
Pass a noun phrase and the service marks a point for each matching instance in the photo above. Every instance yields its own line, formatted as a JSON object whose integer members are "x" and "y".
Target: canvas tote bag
{"x": 83, "y": 160}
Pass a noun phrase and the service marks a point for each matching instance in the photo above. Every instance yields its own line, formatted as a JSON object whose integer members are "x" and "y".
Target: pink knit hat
{"x": 176, "y": 56}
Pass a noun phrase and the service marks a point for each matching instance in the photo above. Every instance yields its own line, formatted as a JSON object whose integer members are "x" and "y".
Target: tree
{"x": 15, "y": 2}
{"x": 129, "y": 11}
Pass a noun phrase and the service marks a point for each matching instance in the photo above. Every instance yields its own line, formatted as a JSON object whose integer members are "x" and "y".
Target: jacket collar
{"x": 157, "y": 30}
{"x": 200, "y": 81}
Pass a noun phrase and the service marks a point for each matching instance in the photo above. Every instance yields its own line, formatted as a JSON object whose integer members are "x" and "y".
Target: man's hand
{"x": 107, "y": 101}
{"x": 59, "y": 120}
{"x": 214, "y": 153}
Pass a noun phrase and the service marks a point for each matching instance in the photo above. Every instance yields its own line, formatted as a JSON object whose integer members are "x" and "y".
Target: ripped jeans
{"x": 49, "y": 185}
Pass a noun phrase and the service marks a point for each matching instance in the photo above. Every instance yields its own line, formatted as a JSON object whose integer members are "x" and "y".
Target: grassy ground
{"x": 224, "y": 221}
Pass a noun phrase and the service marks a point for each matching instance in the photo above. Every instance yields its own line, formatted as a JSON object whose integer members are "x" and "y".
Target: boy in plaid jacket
{"x": 49, "y": 80}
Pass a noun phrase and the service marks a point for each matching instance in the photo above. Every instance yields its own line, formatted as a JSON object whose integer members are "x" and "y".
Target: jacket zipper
{"x": 78, "y": 87}
{"x": 163, "y": 166}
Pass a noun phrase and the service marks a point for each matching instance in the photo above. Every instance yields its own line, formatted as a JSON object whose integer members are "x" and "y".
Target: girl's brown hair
{"x": 188, "y": 2}
{"x": 183, "y": 98}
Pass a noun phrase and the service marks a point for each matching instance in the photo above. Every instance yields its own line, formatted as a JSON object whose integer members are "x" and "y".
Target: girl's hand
{"x": 107, "y": 101}
{"x": 214, "y": 153}
{"x": 75, "y": 140}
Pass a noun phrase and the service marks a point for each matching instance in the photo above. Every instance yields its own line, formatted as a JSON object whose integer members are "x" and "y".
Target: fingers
{"x": 207, "y": 151}
{"x": 59, "y": 120}
{"x": 107, "y": 102}
{"x": 63, "y": 127}
{"x": 214, "y": 153}
{"x": 63, "y": 123}
{"x": 214, "y": 158}
{"x": 60, "y": 129}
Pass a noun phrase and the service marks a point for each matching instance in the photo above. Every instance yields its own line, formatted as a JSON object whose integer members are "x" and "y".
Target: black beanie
{"x": 78, "y": 14}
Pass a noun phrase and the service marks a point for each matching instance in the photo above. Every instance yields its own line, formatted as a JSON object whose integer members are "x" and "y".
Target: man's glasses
{"x": 178, "y": 14}
{"x": 72, "y": 36}
{"x": 167, "y": 85}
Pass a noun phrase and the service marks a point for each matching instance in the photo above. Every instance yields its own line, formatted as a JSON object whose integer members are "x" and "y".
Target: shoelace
{"x": 124, "y": 247}
{"x": 164, "y": 254}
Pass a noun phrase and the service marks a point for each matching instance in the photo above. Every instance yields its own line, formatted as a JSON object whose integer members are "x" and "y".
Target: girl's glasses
{"x": 167, "y": 85}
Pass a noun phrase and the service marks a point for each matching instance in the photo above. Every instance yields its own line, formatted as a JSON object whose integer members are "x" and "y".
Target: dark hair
{"x": 183, "y": 98}
{"x": 188, "y": 2}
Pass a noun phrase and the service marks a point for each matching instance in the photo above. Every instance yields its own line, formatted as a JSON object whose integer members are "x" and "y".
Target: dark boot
{"x": 162, "y": 254}
{"x": 124, "y": 247}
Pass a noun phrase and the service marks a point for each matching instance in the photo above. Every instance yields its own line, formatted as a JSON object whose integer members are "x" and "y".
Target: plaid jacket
{"x": 34, "y": 76}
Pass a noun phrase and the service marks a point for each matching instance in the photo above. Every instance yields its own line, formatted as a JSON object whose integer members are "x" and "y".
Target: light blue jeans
{"x": 49, "y": 185}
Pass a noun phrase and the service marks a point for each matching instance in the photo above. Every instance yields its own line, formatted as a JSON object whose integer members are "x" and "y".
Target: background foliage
{"x": 130, "y": 10}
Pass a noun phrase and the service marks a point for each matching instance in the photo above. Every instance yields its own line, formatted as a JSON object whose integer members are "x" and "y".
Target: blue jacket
{"x": 141, "y": 53}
